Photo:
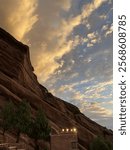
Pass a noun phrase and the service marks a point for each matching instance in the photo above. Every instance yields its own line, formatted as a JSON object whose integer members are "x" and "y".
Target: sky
{"x": 71, "y": 49}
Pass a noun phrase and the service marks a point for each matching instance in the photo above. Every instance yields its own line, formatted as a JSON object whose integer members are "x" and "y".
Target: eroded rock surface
{"x": 17, "y": 82}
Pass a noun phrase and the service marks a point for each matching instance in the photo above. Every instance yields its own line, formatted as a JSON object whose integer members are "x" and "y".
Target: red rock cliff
{"x": 17, "y": 82}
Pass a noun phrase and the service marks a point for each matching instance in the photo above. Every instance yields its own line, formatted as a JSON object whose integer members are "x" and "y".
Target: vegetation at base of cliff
{"x": 39, "y": 128}
{"x": 22, "y": 118}
{"x": 7, "y": 117}
{"x": 18, "y": 118}
{"x": 100, "y": 144}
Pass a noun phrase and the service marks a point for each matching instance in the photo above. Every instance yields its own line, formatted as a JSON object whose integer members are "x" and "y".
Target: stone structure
{"x": 66, "y": 140}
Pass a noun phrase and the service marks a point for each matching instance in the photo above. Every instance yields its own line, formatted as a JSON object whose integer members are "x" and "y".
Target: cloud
{"x": 100, "y": 66}
{"x": 88, "y": 26}
{"x": 109, "y": 30}
{"x": 78, "y": 96}
{"x": 90, "y": 93}
{"x": 65, "y": 88}
{"x": 96, "y": 91}
{"x": 89, "y": 8}
{"x": 92, "y": 35}
{"x": 93, "y": 38}
{"x": 97, "y": 112}
{"x": 96, "y": 107}
{"x": 90, "y": 44}
{"x": 110, "y": 1}
{"x": 49, "y": 37}
{"x": 59, "y": 54}
{"x": 105, "y": 27}
{"x": 86, "y": 98}
{"x": 54, "y": 43}
{"x": 18, "y": 17}
{"x": 87, "y": 93}
{"x": 71, "y": 86}
{"x": 103, "y": 16}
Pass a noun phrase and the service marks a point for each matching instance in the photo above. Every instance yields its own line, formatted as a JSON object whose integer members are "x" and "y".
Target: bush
{"x": 7, "y": 117}
{"x": 99, "y": 144}
{"x": 22, "y": 117}
{"x": 39, "y": 128}
{"x": 19, "y": 119}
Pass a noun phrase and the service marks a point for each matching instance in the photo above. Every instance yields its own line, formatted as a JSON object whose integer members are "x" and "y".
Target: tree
{"x": 19, "y": 119}
{"x": 99, "y": 144}
{"x": 22, "y": 118}
{"x": 39, "y": 128}
{"x": 7, "y": 116}
{"x": 109, "y": 144}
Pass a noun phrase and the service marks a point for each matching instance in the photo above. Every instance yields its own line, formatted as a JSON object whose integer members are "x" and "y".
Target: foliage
{"x": 7, "y": 117}
{"x": 39, "y": 128}
{"x": 109, "y": 145}
{"x": 22, "y": 117}
{"x": 19, "y": 119}
{"x": 100, "y": 144}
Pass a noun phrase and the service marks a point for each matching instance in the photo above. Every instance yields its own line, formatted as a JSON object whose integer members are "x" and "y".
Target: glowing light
{"x": 74, "y": 129}
{"x": 63, "y": 130}
{"x": 67, "y": 130}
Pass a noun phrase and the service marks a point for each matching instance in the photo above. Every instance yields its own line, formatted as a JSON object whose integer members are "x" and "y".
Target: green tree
{"x": 109, "y": 144}
{"x": 22, "y": 118}
{"x": 39, "y": 128}
{"x": 99, "y": 144}
{"x": 7, "y": 116}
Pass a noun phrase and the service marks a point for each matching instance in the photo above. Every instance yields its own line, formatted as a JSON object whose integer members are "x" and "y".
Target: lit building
{"x": 65, "y": 140}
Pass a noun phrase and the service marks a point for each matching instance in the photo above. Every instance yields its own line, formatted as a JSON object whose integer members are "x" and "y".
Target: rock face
{"x": 17, "y": 82}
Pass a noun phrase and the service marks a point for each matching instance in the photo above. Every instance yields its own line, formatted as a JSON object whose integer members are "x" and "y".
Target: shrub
{"x": 39, "y": 128}
{"x": 19, "y": 119}
{"x": 22, "y": 117}
{"x": 99, "y": 144}
{"x": 7, "y": 117}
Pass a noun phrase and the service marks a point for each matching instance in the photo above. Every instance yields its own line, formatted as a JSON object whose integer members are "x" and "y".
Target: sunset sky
{"x": 71, "y": 49}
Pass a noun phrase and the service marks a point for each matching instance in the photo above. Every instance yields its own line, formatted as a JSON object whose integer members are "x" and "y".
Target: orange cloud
{"x": 48, "y": 39}
{"x": 18, "y": 17}
{"x": 55, "y": 37}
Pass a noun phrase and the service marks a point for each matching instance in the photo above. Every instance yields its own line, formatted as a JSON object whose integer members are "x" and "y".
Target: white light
{"x": 74, "y": 129}
{"x": 63, "y": 130}
{"x": 71, "y": 130}
{"x": 67, "y": 130}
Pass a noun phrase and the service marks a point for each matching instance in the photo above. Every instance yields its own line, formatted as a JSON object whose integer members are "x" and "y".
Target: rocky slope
{"x": 17, "y": 82}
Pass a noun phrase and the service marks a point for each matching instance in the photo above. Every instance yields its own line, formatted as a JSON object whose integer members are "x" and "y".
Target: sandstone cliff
{"x": 17, "y": 82}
